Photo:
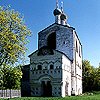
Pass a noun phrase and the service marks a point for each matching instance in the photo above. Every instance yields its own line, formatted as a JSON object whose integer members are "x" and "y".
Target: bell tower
{"x": 58, "y": 36}
{"x": 55, "y": 69}
{"x": 61, "y": 37}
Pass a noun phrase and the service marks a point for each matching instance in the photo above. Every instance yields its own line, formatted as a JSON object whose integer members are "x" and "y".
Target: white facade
{"x": 56, "y": 67}
{"x": 57, "y": 75}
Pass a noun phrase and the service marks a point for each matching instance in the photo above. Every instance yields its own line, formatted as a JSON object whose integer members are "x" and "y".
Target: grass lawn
{"x": 91, "y": 97}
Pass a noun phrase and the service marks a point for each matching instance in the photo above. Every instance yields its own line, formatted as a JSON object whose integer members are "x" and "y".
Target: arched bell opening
{"x": 51, "y": 41}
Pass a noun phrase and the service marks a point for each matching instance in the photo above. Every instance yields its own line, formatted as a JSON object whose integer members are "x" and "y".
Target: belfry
{"x": 56, "y": 67}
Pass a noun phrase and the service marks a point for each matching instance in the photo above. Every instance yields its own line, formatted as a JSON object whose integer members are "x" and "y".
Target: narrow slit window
{"x": 76, "y": 47}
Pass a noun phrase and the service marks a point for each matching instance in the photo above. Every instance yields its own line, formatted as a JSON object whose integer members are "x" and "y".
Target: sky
{"x": 83, "y": 15}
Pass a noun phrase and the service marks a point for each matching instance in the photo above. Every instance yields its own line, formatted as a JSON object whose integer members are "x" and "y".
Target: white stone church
{"x": 56, "y": 67}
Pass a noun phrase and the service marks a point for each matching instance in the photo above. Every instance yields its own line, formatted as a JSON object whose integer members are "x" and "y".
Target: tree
{"x": 97, "y": 79}
{"x": 13, "y": 36}
{"x": 11, "y": 77}
{"x": 88, "y": 76}
{"x": 1, "y": 78}
{"x": 91, "y": 77}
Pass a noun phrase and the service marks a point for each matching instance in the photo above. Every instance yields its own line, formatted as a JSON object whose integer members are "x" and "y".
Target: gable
{"x": 46, "y": 54}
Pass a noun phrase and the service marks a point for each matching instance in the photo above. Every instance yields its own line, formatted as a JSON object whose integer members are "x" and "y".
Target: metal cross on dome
{"x": 62, "y": 6}
{"x": 57, "y": 6}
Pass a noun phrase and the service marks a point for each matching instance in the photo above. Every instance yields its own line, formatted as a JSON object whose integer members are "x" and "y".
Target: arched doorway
{"x": 51, "y": 41}
{"x": 46, "y": 88}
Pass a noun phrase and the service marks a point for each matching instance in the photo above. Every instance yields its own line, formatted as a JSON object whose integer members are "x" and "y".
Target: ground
{"x": 86, "y": 96}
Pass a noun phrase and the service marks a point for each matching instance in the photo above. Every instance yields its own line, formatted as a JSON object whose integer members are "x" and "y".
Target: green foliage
{"x": 11, "y": 77}
{"x": 1, "y": 78}
{"x": 91, "y": 77}
{"x": 13, "y": 36}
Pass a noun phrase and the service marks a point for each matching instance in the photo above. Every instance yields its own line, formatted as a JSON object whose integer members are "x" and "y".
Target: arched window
{"x": 51, "y": 41}
{"x": 51, "y": 66}
{"x": 39, "y": 67}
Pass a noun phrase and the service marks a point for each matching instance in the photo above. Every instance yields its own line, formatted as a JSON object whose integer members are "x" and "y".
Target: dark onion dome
{"x": 63, "y": 16}
{"x": 57, "y": 12}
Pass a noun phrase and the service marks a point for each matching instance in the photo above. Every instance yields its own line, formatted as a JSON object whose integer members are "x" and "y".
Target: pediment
{"x": 45, "y": 51}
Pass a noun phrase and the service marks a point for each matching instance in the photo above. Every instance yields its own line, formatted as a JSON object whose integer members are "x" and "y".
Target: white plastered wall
{"x": 66, "y": 76}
